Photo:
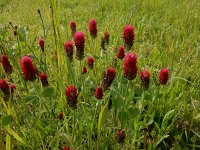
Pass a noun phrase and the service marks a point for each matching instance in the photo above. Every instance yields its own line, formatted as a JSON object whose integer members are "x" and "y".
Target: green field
{"x": 167, "y": 35}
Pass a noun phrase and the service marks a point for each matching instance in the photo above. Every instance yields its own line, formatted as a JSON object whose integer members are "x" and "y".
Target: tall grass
{"x": 163, "y": 117}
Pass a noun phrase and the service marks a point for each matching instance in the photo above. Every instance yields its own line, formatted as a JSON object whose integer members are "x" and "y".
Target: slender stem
{"x": 74, "y": 124}
{"x": 44, "y": 38}
{"x": 20, "y": 53}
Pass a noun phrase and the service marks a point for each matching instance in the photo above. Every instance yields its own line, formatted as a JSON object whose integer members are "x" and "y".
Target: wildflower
{"x": 130, "y": 66}
{"x": 12, "y": 88}
{"x": 79, "y": 40}
{"x": 109, "y": 77}
{"x": 145, "y": 79}
{"x": 121, "y": 54}
{"x": 29, "y": 71}
{"x": 93, "y": 28}
{"x": 71, "y": 94}
{"x": 43, "y": 79}
{"x": 5, "y": 88}
{"x": 128, "y": 35}
{"x": 73, "y": 27}
{"x": 6, "y": 64}
{"x": 69, "y": 49}
{"x": 41, "y": 44}
{"x": 84, "y": 71}
{"x": 60, "y": 116}
{"x": 66, "y": 148}
{"x": 106, "y": 37}
{"x": 164, "y": 75}
{"x": 120, "y": 136}
{"x": 90, "y": 62}
{"x": 99, "y": 92}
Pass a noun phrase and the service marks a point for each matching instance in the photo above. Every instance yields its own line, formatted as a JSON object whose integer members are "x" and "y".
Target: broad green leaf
{"x": 102, "y": 117}
{"x": 48, "y": 91}
{"x": 161, "y": 139}
{"x": 117, "y": 103}
{"x": 133, "y": 112}
{"x": 124, "y": 80}
{"x": 31, "y": 98}
{"x": 124, "y": 116}
{"x": 7, "y": 120}
{"x": 168, "y": 116}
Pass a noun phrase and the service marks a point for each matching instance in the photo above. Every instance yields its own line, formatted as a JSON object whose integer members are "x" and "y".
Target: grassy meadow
{"x": 167, "y": 35}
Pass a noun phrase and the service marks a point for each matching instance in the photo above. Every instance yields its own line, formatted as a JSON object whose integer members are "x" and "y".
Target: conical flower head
{"x": 93, "y": 28}
{"x": 99, "y": 92}
{"x": 6, "y": 64}
{"x": 60, "y": 115}
{"x": 66, "y": 148}
{"x": 73, "y": 27}
{"x": 41, "y": 44}
{"x": 69, "y": 49}
{"x": 121, "y": 53}
{"x": 145, "y": 79}
{"x": 29, "y": 71}
{"x": 5, "y": 88}
{"x": 90, "y": 62}
{"x": 128, "y": 35}
{"x": 72, "y": 96}
{"x": 106, "y": 37}
{"x": 12, "y": 88}
{"x": 43, "y": 79}
{"x": 79, "y": 40}
{"x": 120, "y": 136}
{"x": 84, "y": 70}
{"x": 164, "y": 76}
{"x": 130, "y": 66}
{"x": 109, "y": 76}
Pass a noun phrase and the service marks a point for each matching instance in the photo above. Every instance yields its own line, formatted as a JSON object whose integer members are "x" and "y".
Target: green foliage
{"x": 163, "y": 117}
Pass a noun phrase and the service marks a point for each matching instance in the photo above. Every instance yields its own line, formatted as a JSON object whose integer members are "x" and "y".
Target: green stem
{"x": 74, "y": 124}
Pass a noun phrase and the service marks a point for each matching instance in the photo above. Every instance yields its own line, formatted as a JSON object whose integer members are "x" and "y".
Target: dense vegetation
{"x": 124, "y": 87}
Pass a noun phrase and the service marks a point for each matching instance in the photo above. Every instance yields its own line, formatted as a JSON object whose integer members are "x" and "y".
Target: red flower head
{"x": 5, "y": 88}
{"x": 121, "y": 54}
{"x": 164, "y": 76}
{"x": 106, "y": 36}
{"x": 120, "y": 136}
{"x": 43, "y": 79}
{"x": 6, "y": 64}
{"x": 29, "y": 71}
{"x": 12, "y": 88}
{"x": 99, "y": 92}
{"x": 109, "y": 77}
{"x": 128, "y": 35}
{"x": 90, "y": 62}
{"x": 66, "y": 148}
{"x": 130, "y": 66}
{"x": 41, "y": 44}
{"x": 145, "y": 79}
{"x": 93, "y": 28}
{"x": 69, "y": 49}
{"x": 60, "y": 116}
{"x": 84, "y": 71}
{"x": 71, "y": 94}
{"x": 79, "y": 40}
{"x": 73, "y": 27}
